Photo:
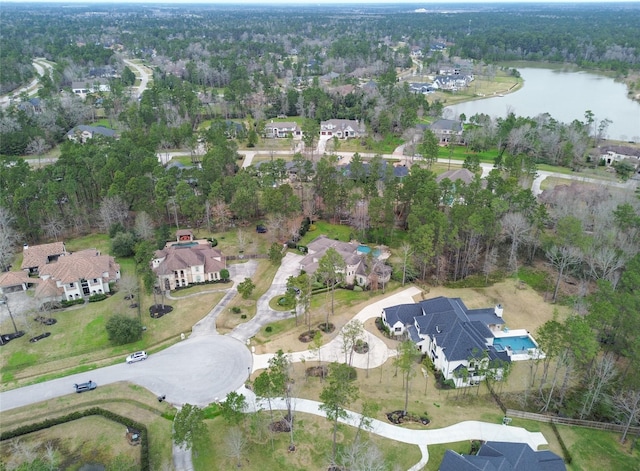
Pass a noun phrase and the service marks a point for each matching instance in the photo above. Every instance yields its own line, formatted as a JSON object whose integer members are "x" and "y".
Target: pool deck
{"x": 520, "y": 355}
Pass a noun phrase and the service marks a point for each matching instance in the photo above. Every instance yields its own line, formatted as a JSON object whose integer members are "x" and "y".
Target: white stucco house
{"x": 187, "y": 261}
{"x": 458, "y": 340}
{"x": 77, "y": 275}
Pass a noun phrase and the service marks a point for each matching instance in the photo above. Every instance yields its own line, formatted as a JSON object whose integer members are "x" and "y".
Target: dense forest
{"x": 217, "y": 68}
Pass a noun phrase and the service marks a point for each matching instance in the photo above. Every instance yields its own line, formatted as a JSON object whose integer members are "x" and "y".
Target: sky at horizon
{"x": 418, "y": 4}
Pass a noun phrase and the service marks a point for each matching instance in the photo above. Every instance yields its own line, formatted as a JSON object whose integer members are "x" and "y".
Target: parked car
{"x": 88, "y": 386}
{"x": 261, "y": 229}
{"x": 137, "y": 356}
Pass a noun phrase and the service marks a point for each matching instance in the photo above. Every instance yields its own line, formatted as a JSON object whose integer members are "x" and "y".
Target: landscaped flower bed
{"x": 399, "y": 417}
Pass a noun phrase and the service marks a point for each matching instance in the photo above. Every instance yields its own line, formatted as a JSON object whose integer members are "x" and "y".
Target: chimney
{"x": 499, "y": 310}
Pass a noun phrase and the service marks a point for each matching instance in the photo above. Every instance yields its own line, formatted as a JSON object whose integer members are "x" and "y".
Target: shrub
{"x": 224, "y": 274}
{"x": 243, "y": 316}
{"x": 123, "y": 244}
{"x": 97, "y": 297}
{"x": 123, "y": 329}
{"x": 268, "y": 329}
{"x": 312, "y": 227}
{"x": 212, "y": 241}
{"x": 236, "y": 310}
{"x": 73, "y": 302}
{"x": 357, "y": 289}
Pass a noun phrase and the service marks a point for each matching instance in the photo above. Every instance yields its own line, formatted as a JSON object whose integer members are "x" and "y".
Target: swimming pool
{"x": 365, "y": 249}
{"x": 516, "y": 344}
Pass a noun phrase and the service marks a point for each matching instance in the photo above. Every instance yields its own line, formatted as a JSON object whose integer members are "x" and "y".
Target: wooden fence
{"x": 566, "y": 421}
{"x": 246, "y": 256}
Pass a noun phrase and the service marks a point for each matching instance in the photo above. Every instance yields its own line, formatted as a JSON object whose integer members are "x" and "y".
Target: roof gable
{"x": 38, "y": 255}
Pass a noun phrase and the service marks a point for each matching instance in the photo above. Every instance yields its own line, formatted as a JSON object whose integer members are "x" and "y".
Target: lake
{"x": 565, "y": 95}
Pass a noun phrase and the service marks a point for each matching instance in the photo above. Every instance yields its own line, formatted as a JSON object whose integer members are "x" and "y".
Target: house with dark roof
{"x": 399, "y": 171}
{"x": 503, "y": 456}
{"x": 357, "y": 268}
{"x": 447, "y": 130}
{"x": 84, "y": 87}
{"x": 458, "y": 340}
{"x": 282, "y": 130}
{"x": 187, "y": 261}
{"x": 83, "y": 133}
{"x": 342, "y": 128}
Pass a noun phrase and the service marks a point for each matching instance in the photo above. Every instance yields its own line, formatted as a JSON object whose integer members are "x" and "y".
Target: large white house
{"x": 458, "y": 340}
{"x": 77, "y": 275}
{"x": 342, "y": 128}
{"x": 282, "y": 130}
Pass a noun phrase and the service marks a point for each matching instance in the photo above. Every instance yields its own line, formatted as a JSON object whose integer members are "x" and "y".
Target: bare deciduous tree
{"x": 112, "y": 210}
{"x": 603, "y": 372}
{"x": 143, "y": 226}
{"x": 628, "y": 404}
{"x": 562, "y": 258}
{"x": 236, "y": 445}
{"x": 8, "y": 238}
{"x": 53, "y": 227}
{"x": 515, "y": 227}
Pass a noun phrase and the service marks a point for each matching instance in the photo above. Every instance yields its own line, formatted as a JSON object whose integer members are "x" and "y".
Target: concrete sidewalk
{"x": 462, "y": 431}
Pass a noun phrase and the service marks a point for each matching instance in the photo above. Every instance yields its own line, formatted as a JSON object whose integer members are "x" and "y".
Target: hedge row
{"x": 565, "y": 451}
{"x": 34, "y": 427}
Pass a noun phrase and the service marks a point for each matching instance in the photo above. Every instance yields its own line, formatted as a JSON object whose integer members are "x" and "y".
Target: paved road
{"x": 141, "y": 72}
{"x": 198, "y": 371}
{"x": 31, "y": 89}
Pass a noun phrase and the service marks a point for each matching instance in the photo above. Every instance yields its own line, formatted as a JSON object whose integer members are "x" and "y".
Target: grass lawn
{"x": 95, "y": 439}
{"x": 182, "y": 293}
{"x": 312, "y": 437}
{"x": 332, "y": 231}
{"x": 79, "y": 340}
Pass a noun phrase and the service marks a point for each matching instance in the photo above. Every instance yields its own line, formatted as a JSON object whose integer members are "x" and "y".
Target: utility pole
{"x": 6, "y": 303}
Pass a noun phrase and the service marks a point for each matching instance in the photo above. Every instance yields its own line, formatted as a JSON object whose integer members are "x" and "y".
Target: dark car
{"x": 88, "y": 386}
{"x": 260, "y": 229}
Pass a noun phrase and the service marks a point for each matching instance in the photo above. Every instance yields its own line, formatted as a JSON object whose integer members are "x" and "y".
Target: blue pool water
{"x": 516, "y": 344}
{"x": 364, "y": 249}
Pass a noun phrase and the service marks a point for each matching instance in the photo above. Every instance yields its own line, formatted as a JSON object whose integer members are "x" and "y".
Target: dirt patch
{"x": 317, "y": 371}
{"x": 158, "y": 310}
{"x": 327, "y": 328}
{"x": 306, "y": 337}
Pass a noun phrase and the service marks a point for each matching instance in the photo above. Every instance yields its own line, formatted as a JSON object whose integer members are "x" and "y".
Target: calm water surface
{"x": 565, "y": 96}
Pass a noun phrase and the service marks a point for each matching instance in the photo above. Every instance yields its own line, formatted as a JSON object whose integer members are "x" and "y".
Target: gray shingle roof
{"x": 503, "y": 456}
{"x": 461, "y": 332}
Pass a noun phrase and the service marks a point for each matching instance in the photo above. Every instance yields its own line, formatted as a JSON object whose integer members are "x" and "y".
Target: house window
{"x": 95, "y": 280}
{"x": 398, "y": 329}
{"x": 70, "y": 285}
